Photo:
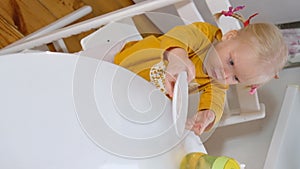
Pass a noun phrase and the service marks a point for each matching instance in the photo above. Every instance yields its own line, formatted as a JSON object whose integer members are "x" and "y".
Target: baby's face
{"x": 230, "y": 62}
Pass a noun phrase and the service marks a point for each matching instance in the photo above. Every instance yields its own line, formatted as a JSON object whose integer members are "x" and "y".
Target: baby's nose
{"x": 228, "y": 74}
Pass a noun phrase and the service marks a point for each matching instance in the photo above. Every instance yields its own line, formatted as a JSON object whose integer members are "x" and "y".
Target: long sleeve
{"x": 192, "y": 38}
{"x": 213, "y": 98}
{"x": 196, "y": 39}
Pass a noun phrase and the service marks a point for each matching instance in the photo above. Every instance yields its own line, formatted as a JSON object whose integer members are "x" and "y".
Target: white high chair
{"x": 240, "y": 105}
{"x": 51, "y": 102}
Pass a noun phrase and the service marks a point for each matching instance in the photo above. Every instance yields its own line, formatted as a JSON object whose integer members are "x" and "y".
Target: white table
{"x": 67, "y": 111}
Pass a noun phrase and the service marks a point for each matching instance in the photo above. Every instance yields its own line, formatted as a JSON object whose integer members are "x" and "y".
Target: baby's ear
{"x": 229, "y": 35}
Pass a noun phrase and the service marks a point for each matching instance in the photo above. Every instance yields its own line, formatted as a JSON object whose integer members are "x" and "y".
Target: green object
{"x": 199, "y": 160}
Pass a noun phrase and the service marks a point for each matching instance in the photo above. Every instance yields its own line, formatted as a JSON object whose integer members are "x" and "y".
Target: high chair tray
{"x": 67, "y": 111}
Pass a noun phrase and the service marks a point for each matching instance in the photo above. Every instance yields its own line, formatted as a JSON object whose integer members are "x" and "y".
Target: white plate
{"x": 180, "y": 103}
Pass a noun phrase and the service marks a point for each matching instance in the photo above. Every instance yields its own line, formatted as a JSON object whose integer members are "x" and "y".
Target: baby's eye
{"x": 231, "y": 62}
{"x": 236, "y": 79}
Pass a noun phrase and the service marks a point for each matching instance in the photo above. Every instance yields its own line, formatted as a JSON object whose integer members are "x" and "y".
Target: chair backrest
{"x": 111, "y": 33}
{"x": 108, "y": 40}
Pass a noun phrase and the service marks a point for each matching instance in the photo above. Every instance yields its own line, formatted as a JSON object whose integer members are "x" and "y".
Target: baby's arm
{"x": 178, "y": 61}
{"x": 178, "y": 44}
{"x": 210, "y": 108}
{"x": 211, "y": 104}
{"x": 201, "y": 121}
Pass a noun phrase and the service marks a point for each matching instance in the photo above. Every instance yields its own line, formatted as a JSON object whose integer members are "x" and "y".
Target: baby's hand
{"x": 178, "y": 62}
{"x": 200, "y": 121}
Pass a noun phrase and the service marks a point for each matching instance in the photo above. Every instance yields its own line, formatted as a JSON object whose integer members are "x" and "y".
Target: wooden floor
{"x": 19, "y": 18}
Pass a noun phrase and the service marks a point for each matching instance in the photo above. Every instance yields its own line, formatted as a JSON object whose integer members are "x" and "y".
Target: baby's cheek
{"x": 230, "y": 82}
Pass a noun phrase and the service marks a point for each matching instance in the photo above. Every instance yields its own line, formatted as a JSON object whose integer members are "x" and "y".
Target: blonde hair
{"x": 269, "y": 46}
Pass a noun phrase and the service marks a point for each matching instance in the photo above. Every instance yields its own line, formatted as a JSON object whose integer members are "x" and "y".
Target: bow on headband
{"x": 232, "y": 12}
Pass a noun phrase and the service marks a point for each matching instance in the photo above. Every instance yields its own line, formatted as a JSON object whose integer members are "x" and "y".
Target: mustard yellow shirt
{"x": 196, "y": 39}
